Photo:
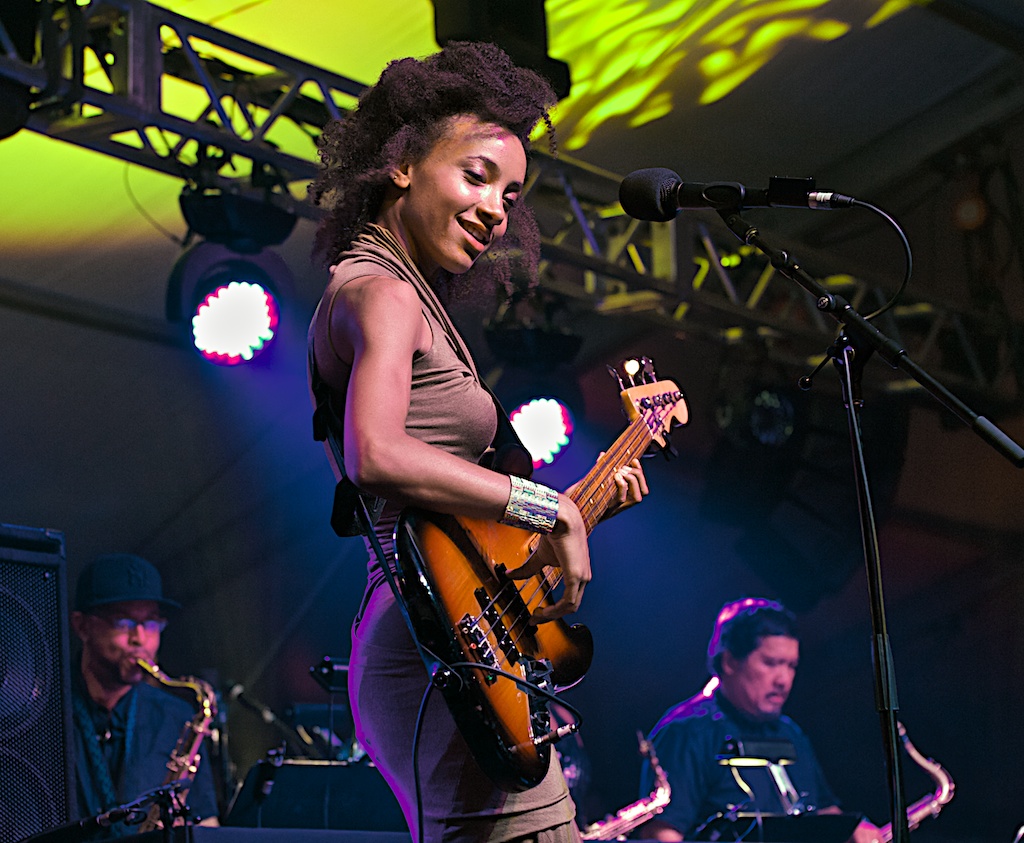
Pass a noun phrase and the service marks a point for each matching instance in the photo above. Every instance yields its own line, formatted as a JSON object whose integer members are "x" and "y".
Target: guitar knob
{"x": 442, "y": 677}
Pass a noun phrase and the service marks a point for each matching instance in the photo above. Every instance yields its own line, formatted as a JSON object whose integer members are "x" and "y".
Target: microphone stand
{"x": 294, "y": 740}
{"x": 858, "y": 339}
{"x": 85, "y": 829}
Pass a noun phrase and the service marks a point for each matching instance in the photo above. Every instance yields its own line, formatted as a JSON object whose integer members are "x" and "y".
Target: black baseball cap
{"x": 118, "y": 578}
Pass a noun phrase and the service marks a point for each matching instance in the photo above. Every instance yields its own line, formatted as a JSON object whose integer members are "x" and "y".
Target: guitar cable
{"x": 451, "y": 668}
{"x": 416, "y": 758}
{"x": 526, "y": 685}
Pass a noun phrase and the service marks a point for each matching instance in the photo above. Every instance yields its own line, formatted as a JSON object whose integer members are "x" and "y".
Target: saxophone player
{"x": 125, "y": 729}
{"x": 753, "y": 656}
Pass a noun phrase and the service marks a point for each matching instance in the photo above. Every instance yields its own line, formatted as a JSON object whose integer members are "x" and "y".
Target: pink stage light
{"x": 235, "y": 322}
{"x": 545, "y": 426}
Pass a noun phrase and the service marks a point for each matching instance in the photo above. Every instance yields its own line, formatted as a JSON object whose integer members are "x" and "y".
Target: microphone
{"x": 296, "y": 739}
{"x": 78, "y": 831}
{"x": 657, "y": 194}
{"x": 266, "y": 713}
{"x": 87, "y": 828}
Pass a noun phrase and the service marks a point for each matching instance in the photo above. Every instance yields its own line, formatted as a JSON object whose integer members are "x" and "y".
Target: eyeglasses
{"x": 150, "y": 625}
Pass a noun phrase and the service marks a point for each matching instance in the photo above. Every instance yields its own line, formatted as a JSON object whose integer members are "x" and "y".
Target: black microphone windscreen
{"x": 650, "y": 194}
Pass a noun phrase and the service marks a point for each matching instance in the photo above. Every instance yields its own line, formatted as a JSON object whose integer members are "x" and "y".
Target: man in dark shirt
{"x": 125, "y": 728}
{"x": 753, "y": 656}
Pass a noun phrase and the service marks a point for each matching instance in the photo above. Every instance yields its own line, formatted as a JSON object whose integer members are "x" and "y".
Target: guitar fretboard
{"x": 596, "y": 490}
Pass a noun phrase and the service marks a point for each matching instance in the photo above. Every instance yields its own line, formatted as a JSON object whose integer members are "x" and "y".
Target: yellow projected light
{"x": 633, "y": 62}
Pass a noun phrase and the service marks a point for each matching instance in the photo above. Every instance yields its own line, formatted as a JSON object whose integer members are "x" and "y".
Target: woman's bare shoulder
{"x": 372, "y": 291}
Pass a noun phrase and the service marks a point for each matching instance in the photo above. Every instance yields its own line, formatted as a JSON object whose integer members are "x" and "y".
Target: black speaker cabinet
{"x": 36, "y": 767}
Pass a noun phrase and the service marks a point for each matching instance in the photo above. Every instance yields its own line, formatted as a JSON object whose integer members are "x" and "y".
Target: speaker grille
{"x": 35, "y": 769}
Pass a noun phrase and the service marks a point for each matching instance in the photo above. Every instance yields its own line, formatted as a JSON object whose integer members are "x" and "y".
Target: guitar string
{"x": 595, "y": 492}
{"x": 597, "y": 501}
{"x": 652, "y": 420}
{"x": 607, "y": 458}
{"x": 542, "y": 584}
{"x": 549, "y": 580}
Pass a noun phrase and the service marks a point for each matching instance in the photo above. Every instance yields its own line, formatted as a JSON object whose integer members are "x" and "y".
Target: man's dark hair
{"x": 399, "y": 119}
{"x": 743, "y": 623}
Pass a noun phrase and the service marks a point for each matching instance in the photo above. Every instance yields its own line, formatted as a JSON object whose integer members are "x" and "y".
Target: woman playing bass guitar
{"x": 419, "y": 182}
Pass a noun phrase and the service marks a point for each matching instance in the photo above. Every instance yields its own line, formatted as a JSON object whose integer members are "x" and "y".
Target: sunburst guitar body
{"x": 493, "y": 666}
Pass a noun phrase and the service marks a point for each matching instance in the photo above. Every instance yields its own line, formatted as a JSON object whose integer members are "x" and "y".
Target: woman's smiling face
{"x": 454, "y": 202}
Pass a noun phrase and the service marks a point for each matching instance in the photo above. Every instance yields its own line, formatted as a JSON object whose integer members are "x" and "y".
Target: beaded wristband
{"x": 530, "y": 506}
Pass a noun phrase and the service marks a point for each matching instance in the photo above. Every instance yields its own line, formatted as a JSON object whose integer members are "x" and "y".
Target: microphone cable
{"x": 908, "y": 254}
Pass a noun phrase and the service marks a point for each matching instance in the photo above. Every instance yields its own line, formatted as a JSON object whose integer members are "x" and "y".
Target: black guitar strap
{"x": 507, "y": 454}
{"x": 327, "y": 428}
{"x": 354, "y": 512}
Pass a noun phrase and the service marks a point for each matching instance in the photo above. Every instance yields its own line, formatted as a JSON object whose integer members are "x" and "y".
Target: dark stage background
{"x": 124, "y": 441}
{"x": 269, "y": 590}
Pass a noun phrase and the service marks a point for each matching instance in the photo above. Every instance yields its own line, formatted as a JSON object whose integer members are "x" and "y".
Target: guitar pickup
{"x": 479, "y": 647}
{"x": 496, "y": 624}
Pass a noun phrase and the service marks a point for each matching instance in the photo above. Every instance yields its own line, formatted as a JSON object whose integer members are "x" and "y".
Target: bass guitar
{"x": 494, "y": 667}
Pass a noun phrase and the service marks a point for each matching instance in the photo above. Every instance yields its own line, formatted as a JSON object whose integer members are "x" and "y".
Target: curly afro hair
{"x": 400, "y": 118}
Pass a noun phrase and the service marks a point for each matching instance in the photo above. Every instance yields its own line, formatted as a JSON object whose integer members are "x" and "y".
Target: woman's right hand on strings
{"x": 566, "y": 548}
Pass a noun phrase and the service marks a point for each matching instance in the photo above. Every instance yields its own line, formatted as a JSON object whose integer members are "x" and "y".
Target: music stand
{"x": 753, "y": 827}
{"x": 304, "y": 793}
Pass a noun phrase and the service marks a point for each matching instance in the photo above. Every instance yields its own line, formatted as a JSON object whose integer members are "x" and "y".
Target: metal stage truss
{"x": 156, "y": 89}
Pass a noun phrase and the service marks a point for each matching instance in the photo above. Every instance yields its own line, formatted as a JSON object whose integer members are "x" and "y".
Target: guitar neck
{"x": 596, "y": 490}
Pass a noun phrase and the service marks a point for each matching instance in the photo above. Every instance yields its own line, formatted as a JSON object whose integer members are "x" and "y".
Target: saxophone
{"x": 624, "y": 821}
{"x": 931, "y": 804}
{"x": 618, "y": 826}
{"x": 184, "y": 760}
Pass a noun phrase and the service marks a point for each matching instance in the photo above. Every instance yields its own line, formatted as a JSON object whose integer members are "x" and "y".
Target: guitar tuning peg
{"x": 631, "y": 367}
{"x": 648, "y": 369}
{"x": 612, "y": 371}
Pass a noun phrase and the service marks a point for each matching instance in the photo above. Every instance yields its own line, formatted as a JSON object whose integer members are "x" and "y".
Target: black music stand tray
{"x": 752, "y": 827}
{"x": 303, "y": 793}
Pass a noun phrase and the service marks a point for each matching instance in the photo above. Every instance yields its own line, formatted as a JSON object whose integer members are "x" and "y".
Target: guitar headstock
{"x": 660, "y": 402}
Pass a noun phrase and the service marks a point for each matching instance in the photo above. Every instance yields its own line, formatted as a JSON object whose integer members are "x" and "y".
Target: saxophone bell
{"x": 625, "y": 820}
{"x": 931, "y": 804}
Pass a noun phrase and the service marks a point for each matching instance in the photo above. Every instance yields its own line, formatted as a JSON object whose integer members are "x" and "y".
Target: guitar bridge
{"x": 479, "y": 647}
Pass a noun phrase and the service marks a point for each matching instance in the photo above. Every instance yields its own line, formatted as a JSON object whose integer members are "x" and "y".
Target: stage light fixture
{"x": 229, "y": 286}
{"x": 530, "y": 347}
{"x": 545, "y": 425}
{"x": 520, "y": 29}
{"x": 230, "y": 303}
{"x": 19, "y": 20}
{"x": 241, "y": 223}
{"x": 538, "y": 383}
{"x": 757, "y": 415}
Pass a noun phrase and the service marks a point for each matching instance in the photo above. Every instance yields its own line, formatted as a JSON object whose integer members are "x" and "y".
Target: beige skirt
{"x": 387, "y": 681}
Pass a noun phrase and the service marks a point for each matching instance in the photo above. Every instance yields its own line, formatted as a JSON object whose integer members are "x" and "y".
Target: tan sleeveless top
{"x": 448, "y": 408}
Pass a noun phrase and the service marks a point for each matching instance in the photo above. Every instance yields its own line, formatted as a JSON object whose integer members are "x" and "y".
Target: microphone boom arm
{"x": 856, "y": 342}
{"x": 868, "y": 335}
